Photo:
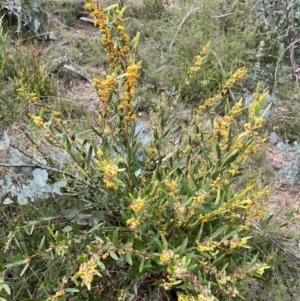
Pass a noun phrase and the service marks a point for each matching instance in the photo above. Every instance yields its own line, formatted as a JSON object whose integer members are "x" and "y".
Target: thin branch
{"x": 222, "y": 16}
{"x": 71, "y": 68}
{"x": 181, "y": 24}
{"x": 25, "y": 154}
{"x": 45, "y": 167}
{"x": 53, "y": 169}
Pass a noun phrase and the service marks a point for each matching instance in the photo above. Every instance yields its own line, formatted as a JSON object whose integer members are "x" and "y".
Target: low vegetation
{"x": 155, "y": 190}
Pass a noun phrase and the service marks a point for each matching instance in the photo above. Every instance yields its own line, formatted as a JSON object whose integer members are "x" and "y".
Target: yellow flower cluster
{"x": 105, "y": 87}
{"x": 192, "y": 70}
{"x": 256, "y": 269}
{"x": 87, "y": 272}
{"x": 132, "y": 77}
{"x": 207, "y": 246}
{"x": 197, "y": 62}
{"x": 123, "y": 47}
{"x": 200, "y": 297}
{"x": 237, "y": 76}
{"x": 203, "y": 218}
{"x": 218, "y": 182}
{"x": 88, "y": 6}
{"x": 121, "y": 296}
{"x": 187, "y": 149}
{"x": 26, "y": 260}
{"x": 133, "y": 224}
{"x": 221, "y": 127}
{"x": 110, "y": 173}
{"x": 179, "y": 272}
{"x": 32, "y": 97}
{"x": 231, "y": 291}
{"x": 57, "y": 295}
{"x": 29, "y": 96}
{"x": 260, "y": 271}
{"x": 116, "y": 51}
{"x": 130, "y": 117}
{"x": 130, "y": 85}
{"x": 205, "y": 48}
{"x": 236, "y": 242}
{"x": 199, "y": 199}
{"x": 206, "y": 106}
{"x": 233, "y": 169}
{"x": 222, "y": 278}
{"x": 38, "y": 121}
{"x": 171, "y": 185}
{"x": 152, "y": 151}
{"x": 99, "y": 16}
{"x": 166, "y": 257}
{"x": 256, "y": 103}
{"x": 99, "y": 153}
{"x": 110, "y": 170}
{"x": 236, "y": 109}
{"x": 180, "y": 210}
{"x": 137, "y": 205}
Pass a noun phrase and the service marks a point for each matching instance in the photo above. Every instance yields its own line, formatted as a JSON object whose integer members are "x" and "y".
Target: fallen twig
{"x": 71, "y": 68}
{"x": 222, "y": 16}
{"x": 45, "y": 167}
{"x": 181, "y": 24}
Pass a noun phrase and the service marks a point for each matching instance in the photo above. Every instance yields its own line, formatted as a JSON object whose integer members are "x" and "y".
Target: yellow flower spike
{"x": 198, "y": 61}
{"x": 120, "y": 28}
{"x": 59, "y": 294}
{"x": 205, "y": 48}
{"x": 133, "y": 224}
{"x": 237, "y": 76}
{"x": 125, "y": 39}
{"x": 132, "y": 76}
{"x": 130, "y": 117}
{"x": 56, "y": 113}
{"x": 88, "y": 6}
{"x": 171, "y": 184}
{"x": 105, "y": 87}
{"x": 99, "y": 153}
{"x": 26, "y": 261}
{"x": 111, "y": 170}
{"x": 87, "y": 271}
{"x": 166, "y": 257}
{"x": 38, "y": 121}
{"x": 260, "y": 271}
{"x": 137, "y": 205}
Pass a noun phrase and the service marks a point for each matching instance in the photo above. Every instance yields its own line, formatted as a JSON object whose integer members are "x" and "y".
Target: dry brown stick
{"x": 45, "y": 167}
{"x": 181, "y": 24}
{"x": 222, "y": 16}
{"x": 71, "y": 68}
